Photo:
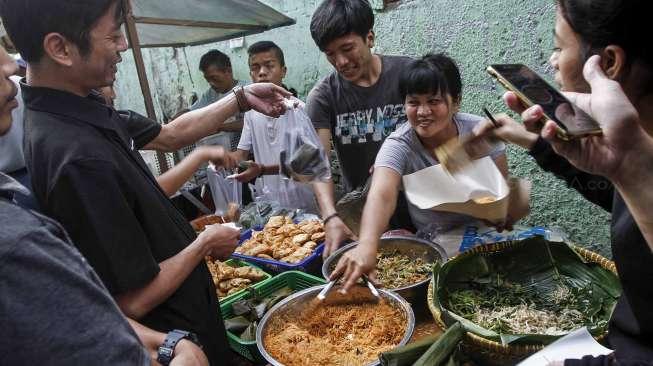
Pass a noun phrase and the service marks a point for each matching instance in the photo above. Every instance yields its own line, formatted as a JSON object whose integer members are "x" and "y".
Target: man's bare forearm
{"x": 639, "y": 201}
{"x": 173, "y": 271}
{"x": 325, "y": 191}
{"x": 175, "y": 178}
{"x": 150, "y": 338}
{"x": 186, "y": 352}
{"x": 272, "y": 169}
{"x": 236, "y": 126}
{"x": 194, "y": 125}
{"x": 634, "y": 185}
{"x": 325, "y": 195}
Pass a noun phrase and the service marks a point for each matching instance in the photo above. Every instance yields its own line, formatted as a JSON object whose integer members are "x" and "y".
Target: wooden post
{"x": 132, "y": 36}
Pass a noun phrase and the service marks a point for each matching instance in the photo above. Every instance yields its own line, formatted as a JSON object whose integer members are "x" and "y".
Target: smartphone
{"x": 531, "y": 89}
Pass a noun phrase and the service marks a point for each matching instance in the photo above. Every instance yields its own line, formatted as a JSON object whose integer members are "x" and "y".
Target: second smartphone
{"x": 531, "y": 89}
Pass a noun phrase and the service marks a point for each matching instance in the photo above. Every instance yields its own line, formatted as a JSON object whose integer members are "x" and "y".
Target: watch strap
{"x": 241, "y": 99}
{"x": 167, "y": 349}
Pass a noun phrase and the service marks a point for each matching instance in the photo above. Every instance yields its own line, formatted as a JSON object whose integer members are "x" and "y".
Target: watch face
{"x": 164, "y": 356}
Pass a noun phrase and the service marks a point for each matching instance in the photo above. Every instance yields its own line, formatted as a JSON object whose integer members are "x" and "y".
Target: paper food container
{"x": 479, "y": 190}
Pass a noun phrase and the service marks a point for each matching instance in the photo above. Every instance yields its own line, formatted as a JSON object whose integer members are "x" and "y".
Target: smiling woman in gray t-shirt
{"x": 432, "y": 91}
{"x": 404, "y": 153}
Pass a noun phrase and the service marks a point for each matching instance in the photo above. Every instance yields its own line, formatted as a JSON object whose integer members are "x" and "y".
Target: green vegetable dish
{"x": 505, "y": 307}
{"x": 528, "y": 292}
{"x": 396, "y": 270}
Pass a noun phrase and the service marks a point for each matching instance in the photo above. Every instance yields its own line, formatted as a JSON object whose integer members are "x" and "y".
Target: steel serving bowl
{"x": 407, "y": 245}
{"x": 303, "y": 297}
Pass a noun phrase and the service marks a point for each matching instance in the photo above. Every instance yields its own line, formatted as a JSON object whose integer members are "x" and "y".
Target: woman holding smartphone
{"x": 432, "y": 90}
{"x": 611, "y": 29}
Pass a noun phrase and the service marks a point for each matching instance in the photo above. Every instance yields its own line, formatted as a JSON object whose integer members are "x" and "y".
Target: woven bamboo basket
{"x": 494, "y": 353}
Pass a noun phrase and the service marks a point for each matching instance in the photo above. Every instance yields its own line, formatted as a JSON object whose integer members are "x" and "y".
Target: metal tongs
{"x": 356, "y": 295}
{"x": 371, "y": 286}
{"x": 322, "y": 295}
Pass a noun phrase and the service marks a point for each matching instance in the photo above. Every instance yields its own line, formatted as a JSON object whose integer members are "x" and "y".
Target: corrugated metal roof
{"x": 191, "y": 22}
{"x": 162, "y": 23}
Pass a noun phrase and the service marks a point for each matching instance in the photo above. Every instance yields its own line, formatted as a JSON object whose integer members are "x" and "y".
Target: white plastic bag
{"x": 226, "y": 192}
{"x": 295, "y": 195}
{"x": 302, "y": 157}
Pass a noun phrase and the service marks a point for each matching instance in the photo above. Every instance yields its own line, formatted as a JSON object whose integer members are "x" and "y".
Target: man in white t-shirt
{"x": 261, "y": 135}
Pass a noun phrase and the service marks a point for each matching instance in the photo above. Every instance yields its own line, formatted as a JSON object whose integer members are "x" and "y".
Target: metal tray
{"x": 303, "y": 297}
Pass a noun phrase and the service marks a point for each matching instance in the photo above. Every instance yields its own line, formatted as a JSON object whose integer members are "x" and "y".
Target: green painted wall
{"x": 475, "y": 32}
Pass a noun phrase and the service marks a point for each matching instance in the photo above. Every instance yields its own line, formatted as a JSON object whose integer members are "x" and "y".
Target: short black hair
{"x": 336, "y": 18}
{"x": 600, "y": 23}
{"x": 28, "y": 22}
{"x": 433, "y": 73}
{"x": 266, "y": 46}
{"x": 215, "y": 58}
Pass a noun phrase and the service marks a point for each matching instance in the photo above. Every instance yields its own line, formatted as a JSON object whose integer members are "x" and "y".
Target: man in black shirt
{"x": 87, "y": 172}
{"x": 38, "y": 260}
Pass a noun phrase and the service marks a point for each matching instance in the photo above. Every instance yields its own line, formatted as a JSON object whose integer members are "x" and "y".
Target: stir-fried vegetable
{"x": 504, "y": 307}
{"x": 397, "y": 270}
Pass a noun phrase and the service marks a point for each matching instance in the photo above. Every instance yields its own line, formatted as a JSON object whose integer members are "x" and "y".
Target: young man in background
{"x": 356, "y": 106}
{"x": 216, "y": 68}
{"x": 261, "y": 135}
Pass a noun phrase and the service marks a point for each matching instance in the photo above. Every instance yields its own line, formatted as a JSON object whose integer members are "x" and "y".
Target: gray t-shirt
{"x": 359, "y": 118}
{"x": 228, "y": 140}
{"x": 55, "y": 309}
{"x": 404, "y": 153}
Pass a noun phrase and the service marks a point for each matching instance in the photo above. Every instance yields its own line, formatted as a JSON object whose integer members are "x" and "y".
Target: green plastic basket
{"x": 238, "y": 263}
{"x": 293, "y": 279}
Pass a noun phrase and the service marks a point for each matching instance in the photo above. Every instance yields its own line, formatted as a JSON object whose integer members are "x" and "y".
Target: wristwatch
{"x": 241, "y": 99}
{"x": 167, "y": 349}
